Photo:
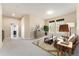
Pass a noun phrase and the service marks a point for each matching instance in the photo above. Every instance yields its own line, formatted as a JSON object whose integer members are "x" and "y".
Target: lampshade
{"x": 63, "y": 28}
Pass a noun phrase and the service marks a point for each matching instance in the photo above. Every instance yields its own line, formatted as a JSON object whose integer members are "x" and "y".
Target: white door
{"x": 14, "y": 30}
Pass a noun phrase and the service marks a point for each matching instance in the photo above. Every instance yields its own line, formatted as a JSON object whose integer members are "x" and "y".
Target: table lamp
{"x": 64, "y": 28}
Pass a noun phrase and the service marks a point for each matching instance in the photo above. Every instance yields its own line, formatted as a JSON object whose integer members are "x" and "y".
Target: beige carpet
{"x": 20, "y": 47}
{"x": 49, "y": 48}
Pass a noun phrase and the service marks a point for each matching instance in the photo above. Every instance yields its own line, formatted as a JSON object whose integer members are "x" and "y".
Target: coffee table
{"x": 63, "y": 47}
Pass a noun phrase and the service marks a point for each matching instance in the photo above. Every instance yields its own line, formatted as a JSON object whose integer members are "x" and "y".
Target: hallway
{"x": 19, "y": 47}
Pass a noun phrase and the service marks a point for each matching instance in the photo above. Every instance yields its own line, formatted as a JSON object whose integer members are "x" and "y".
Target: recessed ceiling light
{"x": 13, "y": 14}
{"x": 50, "y": 12}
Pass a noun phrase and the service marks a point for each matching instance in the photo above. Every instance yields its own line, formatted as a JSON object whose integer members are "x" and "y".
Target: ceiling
{"x": 37, "y": 9}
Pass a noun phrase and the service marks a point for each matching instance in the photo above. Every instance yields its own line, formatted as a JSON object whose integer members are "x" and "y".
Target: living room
{"x": 42, "y": 25}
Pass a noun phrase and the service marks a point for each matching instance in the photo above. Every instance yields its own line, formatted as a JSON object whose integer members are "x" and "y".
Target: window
{"x": 54, "y": 25}
{"x": 58, "y": 23}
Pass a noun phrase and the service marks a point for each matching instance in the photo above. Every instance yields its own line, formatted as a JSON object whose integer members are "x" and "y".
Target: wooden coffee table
{"x": 64, "y": 47}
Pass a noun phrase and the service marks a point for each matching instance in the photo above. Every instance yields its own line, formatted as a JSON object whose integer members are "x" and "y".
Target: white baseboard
{"x": 8, "y": 38}
{"x": 1, "y": 44}
{"x": 27, "y": 38}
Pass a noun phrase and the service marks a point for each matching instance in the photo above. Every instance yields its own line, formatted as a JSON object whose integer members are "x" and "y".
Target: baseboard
{"x": 27, "y": 38}
{"x": 1, "y": 44}
{"x": 7, "y": 38}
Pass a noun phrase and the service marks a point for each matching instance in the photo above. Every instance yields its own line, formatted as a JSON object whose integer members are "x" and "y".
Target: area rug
{"x": 49, "y": 48}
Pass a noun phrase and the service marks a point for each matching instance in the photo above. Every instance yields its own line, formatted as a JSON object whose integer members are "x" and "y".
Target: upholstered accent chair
{"x": 74, "y": 39}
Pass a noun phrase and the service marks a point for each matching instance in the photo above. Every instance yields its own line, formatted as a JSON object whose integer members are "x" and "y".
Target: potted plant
{"x": 46, "y": 29}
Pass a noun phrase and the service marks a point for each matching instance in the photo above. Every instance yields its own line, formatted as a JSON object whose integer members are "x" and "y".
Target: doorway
{"x": 14, "y": 30}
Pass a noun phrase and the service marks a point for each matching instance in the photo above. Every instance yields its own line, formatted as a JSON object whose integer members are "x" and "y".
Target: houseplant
{"x": 46, "y": 29}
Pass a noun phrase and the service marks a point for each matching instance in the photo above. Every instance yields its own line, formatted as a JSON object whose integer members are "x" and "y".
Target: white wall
{"x": 22, "y": 27}
{"x": 25, "y": 32}
{"x": 27, "y": 23}
{"x": 33, "y": 22}
{"x": 68, "y": 18}
{"x": 7, "y": 26}
{"x": 0, "y": 26}
{"x": 77, "y": 14}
